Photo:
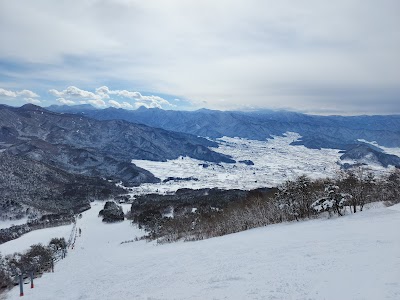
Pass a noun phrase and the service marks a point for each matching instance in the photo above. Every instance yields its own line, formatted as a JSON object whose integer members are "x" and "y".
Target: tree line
{"x": 170, "y": 220}
{"x": 37, "y": 259}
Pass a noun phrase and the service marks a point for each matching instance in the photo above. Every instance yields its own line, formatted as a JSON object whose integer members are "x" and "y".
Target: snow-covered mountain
{"x": 87, "y": 146}
{"x": 335, "y": 132}
{"x": 348, "y": 134}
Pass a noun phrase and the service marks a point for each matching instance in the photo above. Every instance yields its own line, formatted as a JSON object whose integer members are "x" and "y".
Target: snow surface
{"x": 34, "y": 237}
{"x": 275, "y": 161}
{"x": 9, "y": 223}
{"x": 352, "y": 257}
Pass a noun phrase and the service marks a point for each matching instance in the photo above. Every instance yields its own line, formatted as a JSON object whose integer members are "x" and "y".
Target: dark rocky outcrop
{"x": 112, "y": 212}
{"x": 247, "y": 162}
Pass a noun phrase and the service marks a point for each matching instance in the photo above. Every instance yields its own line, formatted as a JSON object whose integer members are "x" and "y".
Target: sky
{"x": 312, "y": 56}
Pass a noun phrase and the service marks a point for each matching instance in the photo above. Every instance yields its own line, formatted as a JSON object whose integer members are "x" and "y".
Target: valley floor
{"x": 352, "y": 257}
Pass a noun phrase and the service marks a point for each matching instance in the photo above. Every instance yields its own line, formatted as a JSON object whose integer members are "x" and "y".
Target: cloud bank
{"x": 26, "y": 95}
{"x": 314, "y": 56}
{"x": 73, "y": 95}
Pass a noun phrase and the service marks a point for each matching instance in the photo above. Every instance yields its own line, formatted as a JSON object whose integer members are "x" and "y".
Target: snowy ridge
{"x": 353, "y": 257}
{"x": 387, "y": 150}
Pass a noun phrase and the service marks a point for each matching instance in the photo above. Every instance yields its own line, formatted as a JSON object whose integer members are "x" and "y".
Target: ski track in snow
{"x": 351, "y": 257}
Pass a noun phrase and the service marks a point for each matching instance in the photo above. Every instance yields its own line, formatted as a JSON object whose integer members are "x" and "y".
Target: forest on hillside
{"x": 196, "y": 215}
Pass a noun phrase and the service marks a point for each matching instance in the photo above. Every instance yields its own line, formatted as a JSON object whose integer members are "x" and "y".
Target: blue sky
{"x": 326, "y": 57}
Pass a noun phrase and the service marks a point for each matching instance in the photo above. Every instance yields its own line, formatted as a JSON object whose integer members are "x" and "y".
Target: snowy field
{"x": 352, "y": 257}
{"x": 34, "y": 237}
{"x": 275, "y": 161}
{"x": 9, "y": 223}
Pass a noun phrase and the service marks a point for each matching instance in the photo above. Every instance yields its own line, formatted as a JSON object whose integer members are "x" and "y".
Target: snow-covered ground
{"x": 275, "y": 161}
{"x": 9, "y": 223}
{"x": 352, "y": 257}
{"x": 35, "y": 237}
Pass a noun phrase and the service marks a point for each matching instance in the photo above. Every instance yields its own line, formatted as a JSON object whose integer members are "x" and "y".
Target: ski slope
{"x": 352, "y": 257}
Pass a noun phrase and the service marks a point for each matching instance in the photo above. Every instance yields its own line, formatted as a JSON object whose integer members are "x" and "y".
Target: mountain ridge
{"x": 316, "y": 131}
{"x": 88, "y": 146}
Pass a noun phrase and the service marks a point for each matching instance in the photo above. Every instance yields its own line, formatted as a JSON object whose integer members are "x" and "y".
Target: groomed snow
{"x": 351, "y": 257}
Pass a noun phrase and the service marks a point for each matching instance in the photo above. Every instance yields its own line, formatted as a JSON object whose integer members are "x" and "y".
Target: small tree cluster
{"x": 57, "y": 244}
{"x": 333, "y": 200}
{"x": 294, "y": 198}
{"x": 38, "y": 258}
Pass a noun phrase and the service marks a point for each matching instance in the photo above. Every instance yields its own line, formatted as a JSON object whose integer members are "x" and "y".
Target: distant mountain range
{"x": 55, "y": 158}
{"x": 335, "y": 132}
{"x": 56, "y": 162}
{"x": 86, "y": 146}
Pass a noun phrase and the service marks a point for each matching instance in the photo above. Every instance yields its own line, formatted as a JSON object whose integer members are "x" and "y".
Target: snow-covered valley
{"x": 275, "y": 161}
{"x": 352, "y": 257}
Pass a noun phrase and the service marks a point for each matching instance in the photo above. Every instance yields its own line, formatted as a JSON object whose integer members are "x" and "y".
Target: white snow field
{"x": 34, "y": 237}
{"x": 9, "y": 223}
{"x": 275, "y": 161}
{"x": 352, "y": 257}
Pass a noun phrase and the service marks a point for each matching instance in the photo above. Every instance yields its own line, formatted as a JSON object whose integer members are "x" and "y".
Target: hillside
{"x": 334, "y": 132}
{"x": 95, "y": 148}
{"x": 352, "y": 257}
{"x": 26, "y": 185}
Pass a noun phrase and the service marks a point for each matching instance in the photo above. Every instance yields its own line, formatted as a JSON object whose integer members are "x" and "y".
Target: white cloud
{"x": 124, "y": 105}
{"x": 7, "y": 93}
{"x": 152, "y": 101}
{"x": 97, "y": 102}
{"x": 28, "y": 94}
{"x": 32, "y": 100}
{"x": 65, "y": 101}
{"x": 126, "y": 94}
{"x": 74, "y": 92}
{"x": 261, "y": 53}
{"x": 114, "y": 103}
{"x": 103, "y": 93}
{"x": 127, "y": 105}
